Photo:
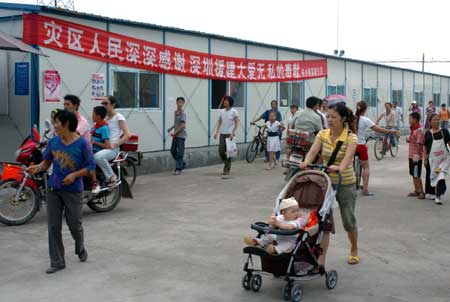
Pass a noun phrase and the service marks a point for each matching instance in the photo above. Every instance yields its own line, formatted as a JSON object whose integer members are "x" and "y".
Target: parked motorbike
{"x": 23, "y": 194}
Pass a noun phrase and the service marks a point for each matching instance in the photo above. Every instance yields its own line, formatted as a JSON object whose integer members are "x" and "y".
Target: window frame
{"x": 398, "y": 93}
{"x": 301, "y": 88}
{"x": 438, "y": 103}
{"x": 338, "y": 89}
{"x": 420, "y": 100}
{"x": 228, "y": 92}
{"x": 373, "y": 96}
{"x": 137, "y": 72}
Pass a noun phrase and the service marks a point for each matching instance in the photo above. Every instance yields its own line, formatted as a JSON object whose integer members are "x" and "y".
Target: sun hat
{"x": 287, "y": 203}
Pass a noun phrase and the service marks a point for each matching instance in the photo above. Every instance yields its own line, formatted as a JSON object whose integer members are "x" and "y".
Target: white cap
{"x": 287, "y": 203}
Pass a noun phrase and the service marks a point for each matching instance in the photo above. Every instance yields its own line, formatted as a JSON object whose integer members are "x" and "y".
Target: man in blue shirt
{"x": 265, "y": 117}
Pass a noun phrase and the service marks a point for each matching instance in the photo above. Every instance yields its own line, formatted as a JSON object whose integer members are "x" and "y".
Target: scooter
{"x": 23, "y": 194}
{"x": 299, "y": 143}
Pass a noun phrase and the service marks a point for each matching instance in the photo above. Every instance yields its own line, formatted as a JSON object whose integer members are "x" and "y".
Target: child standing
{"x": 415, "y": 154}
{"x": 274, "y": 129}
{"x": 99, "y": 139}
{"x": 290, "y": 219}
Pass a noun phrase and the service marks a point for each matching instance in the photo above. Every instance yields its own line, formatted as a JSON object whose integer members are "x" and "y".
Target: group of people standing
{"x": 70, "y": 152}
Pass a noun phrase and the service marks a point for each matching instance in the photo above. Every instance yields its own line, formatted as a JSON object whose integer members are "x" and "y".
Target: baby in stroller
{"x": 300, "y": 231}
{"x": 289, "y": 219}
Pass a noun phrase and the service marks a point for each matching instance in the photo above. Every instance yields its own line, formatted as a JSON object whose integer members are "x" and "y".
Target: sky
{"x": 382, "y": 30}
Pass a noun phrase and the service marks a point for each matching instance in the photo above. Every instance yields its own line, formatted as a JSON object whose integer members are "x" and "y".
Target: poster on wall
{"x": 22, "y": 78}
{"x": 98, "y": 85}
{"x": 52, "y": 86}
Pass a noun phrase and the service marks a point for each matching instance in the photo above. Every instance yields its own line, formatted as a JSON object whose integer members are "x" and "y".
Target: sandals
{"x": 413, "y": 194}
{"x": 420, "y": 196}
{"x": 352, "y": 260}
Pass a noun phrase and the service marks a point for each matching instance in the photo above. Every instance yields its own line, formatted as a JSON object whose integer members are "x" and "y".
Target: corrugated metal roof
{"x": 94, "y": 17}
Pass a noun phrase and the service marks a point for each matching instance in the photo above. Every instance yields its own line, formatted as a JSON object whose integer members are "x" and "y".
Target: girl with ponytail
{"x": 362, "y": 124}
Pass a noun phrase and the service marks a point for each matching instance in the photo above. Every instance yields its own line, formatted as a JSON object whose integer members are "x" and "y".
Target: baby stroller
{"x": 313, "y": 190}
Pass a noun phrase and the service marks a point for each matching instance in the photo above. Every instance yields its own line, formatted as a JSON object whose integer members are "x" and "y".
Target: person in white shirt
{"x": 398, "y": 115}
{"x": 362, "y": 124}
{"x": 274, "y": 128}
{"x": 227, "y": 126}
{"x": 118, "y": 134}
{"x": 390, "y": 121}
{"x": 290, "y": 122}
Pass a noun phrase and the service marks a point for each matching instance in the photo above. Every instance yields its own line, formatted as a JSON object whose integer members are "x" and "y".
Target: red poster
{"x": 118, "y": 49}
{"x": 52, "y": 86}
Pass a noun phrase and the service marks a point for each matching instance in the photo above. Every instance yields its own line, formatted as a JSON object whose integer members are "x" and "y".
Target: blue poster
{"x": 22, "y": 78}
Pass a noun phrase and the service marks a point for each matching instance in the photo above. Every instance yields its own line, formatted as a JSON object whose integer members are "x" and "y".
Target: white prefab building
{"x": 147, "y": 99}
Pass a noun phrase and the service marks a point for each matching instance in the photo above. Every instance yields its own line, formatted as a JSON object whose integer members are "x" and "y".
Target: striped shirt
{"x": 327, "y": 148}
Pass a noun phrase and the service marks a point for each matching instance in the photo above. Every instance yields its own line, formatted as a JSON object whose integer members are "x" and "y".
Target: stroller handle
{"x": 264, "y": 228}
{"x": 324, "y": 168}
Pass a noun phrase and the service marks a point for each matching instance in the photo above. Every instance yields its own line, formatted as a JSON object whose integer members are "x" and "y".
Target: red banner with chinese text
{"x": 118, "y": 49}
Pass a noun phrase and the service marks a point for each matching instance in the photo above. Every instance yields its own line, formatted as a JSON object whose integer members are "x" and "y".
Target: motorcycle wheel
{"x": 17, "y": 212}
{"x": 106, "y": 201}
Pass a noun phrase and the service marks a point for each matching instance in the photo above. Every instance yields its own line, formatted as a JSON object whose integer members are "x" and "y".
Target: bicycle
{"x": 383, "y": 144}
{"x": 257, "y": 145}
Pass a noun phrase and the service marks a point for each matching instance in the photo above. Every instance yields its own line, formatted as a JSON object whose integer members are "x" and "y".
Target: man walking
{"x": 178, "y": 136}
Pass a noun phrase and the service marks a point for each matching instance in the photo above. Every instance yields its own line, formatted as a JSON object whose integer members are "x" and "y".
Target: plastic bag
{"x": 231, "y": 148}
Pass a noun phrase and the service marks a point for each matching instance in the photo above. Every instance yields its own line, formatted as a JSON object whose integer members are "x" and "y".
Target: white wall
{"x": 259, "y": 95}
{"x": 444, "y": 90}
{"x": 195, "y": 92}
{"x": 408, "y": 94}
{"x": 315, "y": 87}
{"x": 384, "y": 86}
{"x": 354, "y": 92}
{"x": 4, "y": 87}
{"x": 225, "y": 48}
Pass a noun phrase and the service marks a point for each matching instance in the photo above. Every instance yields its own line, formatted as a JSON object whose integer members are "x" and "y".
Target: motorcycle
{"x": 23, "y": 194}
{"x": 299, "y": 143}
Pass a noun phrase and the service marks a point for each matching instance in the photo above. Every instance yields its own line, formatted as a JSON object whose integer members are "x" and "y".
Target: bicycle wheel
{"x": 394, "y": 150}
{"x": 378, "y": 148}
{"x": 252, "y": 151}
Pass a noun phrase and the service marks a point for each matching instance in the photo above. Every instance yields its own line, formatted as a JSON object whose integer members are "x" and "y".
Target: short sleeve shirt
{"x": 416, "y": 143}
{"x": 100, "y": 135}
{"x": 364, "y": 124}
{"x": 266, "y": 114}
{"x": 83, "y": 127}
{"x": 180, "y": 117}
{"x": 227, "y": 118}
{"x": 327, "y": 148}
{"x": 274, "y": 128}
{"x": 114, "y": 127}
{"x": 67, "y": 159}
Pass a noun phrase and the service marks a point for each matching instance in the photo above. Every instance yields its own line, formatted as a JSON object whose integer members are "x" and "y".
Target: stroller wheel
{"x": 255, "y": 282}
{"x": 296, "y": 293}
{"x": 331, "y": 279}
{"x": 246, "y": 281}
{"x": 287, "y": 291}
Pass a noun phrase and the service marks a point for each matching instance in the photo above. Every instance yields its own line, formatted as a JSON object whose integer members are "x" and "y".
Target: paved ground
{"x": 180, "y": 239}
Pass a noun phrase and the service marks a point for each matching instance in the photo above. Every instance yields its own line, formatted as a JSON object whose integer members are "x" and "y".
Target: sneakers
{"x": 112, "y": 181}
{"x": 177, "y": 172}
{"x": 437, "y": 200}
{"x": 95, "y": 188}
{"x": 430, "y": 196}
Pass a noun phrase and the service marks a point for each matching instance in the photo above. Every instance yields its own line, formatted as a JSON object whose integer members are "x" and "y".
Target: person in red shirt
{"x": 415, "y": 154}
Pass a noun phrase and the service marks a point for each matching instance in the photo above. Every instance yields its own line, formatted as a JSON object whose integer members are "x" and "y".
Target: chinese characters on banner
{"x": 118, "y": 49}
{"x": 52, "y": 86}
{"x": 98, "y": 85}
